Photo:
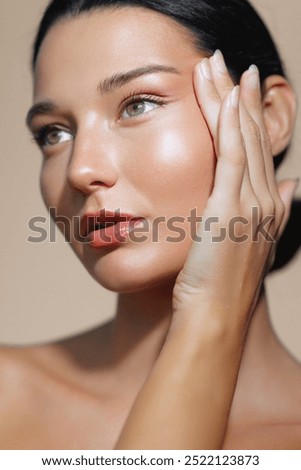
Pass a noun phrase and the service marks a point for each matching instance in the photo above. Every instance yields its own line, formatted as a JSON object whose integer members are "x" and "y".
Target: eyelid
{"x": 140, "y": 96}
{"x": 40, "y": 133}
{"x": 135, "y": 96}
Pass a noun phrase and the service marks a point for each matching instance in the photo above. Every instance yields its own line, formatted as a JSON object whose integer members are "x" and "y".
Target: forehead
{"x": 109, "y": 41}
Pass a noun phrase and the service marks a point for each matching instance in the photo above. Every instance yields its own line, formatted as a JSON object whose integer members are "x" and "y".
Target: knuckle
{"x": 227, "y": 89}
{"x": 237, "y": 159}
{"x": 256, "y": 210}
{"x": 253, "y": 103}
{"x": 266, "y": 141}
{"x": 251, "y": 208}
{"x": 254, "y": 131}
{"x": 268, "y": 205}
{"x": 213, "y": 95}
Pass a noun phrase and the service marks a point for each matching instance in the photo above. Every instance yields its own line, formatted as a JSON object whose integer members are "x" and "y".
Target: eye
{"x": 137, "y": 106}
{"x": 50, "y": 135}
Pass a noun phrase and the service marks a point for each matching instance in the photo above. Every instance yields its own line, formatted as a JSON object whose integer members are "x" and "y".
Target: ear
{"x": 279, "y": 111}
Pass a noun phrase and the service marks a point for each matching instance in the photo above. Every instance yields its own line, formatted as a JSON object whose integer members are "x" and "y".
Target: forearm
{"x": 185, "y": 403}
{"x": 186, "y": 400}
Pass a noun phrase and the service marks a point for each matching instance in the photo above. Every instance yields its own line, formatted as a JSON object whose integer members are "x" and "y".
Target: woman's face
{"x": 152, "y": 158}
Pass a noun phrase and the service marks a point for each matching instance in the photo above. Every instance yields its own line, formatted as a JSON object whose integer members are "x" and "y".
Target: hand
{"x": 250, "y": 210}
{"x": 186, "y": 400}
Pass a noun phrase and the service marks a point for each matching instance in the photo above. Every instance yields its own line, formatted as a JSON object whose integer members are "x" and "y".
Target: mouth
{"x": 105, "y": 227}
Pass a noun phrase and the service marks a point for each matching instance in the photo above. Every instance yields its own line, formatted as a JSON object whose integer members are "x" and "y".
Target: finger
{"x": 261, "y": 167}
{"x": 224, "y": 83}
{"x": 230, "y": 169}
{"x": 222, "y": 79}
{"x": 255, "y": 168}
{"x": 287, "y": 191}
{"x": 207, "y": 96}
{"x": 255, "y": 161}
{"x": 251, "y": 124}
{"x": 251, "y": 96}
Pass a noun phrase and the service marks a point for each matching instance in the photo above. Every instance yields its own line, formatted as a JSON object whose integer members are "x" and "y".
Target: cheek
{"x": 176, "y": 166}
{"x": 49, "y": 184}
{"x": 57, "y": 195}
{"x": 53, "y": 182}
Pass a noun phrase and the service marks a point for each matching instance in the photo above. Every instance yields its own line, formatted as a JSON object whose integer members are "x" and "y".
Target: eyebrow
{"x": 121, "y": 79}
{"x": 105, "y": 86}
{"x": 45, "y": 107}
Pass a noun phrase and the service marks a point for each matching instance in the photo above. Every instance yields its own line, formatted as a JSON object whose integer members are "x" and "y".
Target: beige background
{"x": 45, "y": 292}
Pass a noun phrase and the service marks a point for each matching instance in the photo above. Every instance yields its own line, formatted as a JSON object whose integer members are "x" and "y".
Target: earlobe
{"x": 279, "y": 109}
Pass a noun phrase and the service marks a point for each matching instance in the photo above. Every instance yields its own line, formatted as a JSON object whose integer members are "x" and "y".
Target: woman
{"x": 143, "y": 127}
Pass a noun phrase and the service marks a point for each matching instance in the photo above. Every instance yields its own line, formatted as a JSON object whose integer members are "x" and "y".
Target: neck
{"x": 266, "y": 369}
{"x": 128, "y": 347}
{"x": 141, "y": 324}
{"x": 140, "y": 327}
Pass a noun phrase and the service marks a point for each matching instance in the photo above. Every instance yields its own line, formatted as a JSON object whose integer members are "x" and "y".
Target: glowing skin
{"x": 158, "y": 164}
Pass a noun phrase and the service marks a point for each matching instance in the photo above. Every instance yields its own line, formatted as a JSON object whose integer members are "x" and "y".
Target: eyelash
{"x": 40, "y": 135}
{"x": 137, "y": 97}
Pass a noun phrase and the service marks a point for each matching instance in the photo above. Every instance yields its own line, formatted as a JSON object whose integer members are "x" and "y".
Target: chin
{"x": 126, "y": 272}
{"x": 126, "y": 286}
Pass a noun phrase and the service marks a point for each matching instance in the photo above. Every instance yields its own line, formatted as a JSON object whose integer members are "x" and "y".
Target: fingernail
{"x": 234, "y": 97}
{"x": 205, "y": 69}
{"x": 219, "y": 61}
{"x": 253, "y": 78}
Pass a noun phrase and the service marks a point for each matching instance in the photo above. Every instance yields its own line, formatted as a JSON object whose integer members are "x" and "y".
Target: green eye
{"x": 138, "y": 108}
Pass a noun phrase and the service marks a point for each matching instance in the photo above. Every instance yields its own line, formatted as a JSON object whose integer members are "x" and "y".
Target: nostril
{"x": 87, "y": 183}
{"x": 97, "y": 183}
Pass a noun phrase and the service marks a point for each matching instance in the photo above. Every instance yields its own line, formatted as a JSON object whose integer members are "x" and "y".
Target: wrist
{"x": 207, "y": 328}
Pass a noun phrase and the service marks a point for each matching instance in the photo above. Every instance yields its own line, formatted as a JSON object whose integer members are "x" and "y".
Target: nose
{"x": 93, "y": 162}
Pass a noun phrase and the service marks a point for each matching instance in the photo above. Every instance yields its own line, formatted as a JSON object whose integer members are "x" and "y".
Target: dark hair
{"x": 233, "y": 26}
{"x": 230, "y": 25}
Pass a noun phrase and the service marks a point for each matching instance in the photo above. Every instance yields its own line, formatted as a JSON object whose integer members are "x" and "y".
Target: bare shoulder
{"x": 25, "y": 398}
{"x": 272, "y": 415}
{"x": 12, "y": 374}
{"x": 16, "y": 397}
{"x": 42, "y": 408}
{"x": 264, "y": 436}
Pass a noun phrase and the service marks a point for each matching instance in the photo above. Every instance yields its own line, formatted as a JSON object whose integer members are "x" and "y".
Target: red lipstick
{"x": 108, "y": 228}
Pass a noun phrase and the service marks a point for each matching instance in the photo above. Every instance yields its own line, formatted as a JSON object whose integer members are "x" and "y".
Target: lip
{"x": 117, "y": 226}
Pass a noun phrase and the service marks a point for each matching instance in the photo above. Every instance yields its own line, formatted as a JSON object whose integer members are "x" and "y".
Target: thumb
{"x": 287, "y": 190}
